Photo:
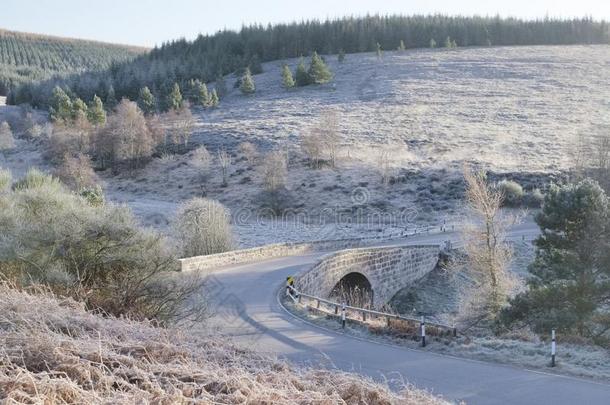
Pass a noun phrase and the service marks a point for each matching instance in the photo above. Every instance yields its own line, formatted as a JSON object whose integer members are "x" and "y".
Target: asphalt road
{"x": 248, "y": 310}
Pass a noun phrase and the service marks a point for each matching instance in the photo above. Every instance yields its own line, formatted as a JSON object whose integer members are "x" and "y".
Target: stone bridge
{"x": 385, "y": 270}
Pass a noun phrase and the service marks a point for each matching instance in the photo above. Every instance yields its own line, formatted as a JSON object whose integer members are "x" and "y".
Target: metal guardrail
{"x": 297, "y": 297}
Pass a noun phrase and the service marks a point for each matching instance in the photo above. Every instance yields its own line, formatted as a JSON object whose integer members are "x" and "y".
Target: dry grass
{"x": 55, "y": 352}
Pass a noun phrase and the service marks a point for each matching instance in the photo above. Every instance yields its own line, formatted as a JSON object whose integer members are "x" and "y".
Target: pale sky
{"x": 150, "y": 22}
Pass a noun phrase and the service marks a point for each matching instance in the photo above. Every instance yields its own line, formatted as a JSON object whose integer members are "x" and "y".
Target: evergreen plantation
{"x": 209, "y": 57}
{"x": 31, "y": 57}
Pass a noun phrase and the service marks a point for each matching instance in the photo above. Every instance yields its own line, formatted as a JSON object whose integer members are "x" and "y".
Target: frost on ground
{"x": 55, "y": 352}
{"x": 512, "y": 110}
{"x": 436, "y": 296}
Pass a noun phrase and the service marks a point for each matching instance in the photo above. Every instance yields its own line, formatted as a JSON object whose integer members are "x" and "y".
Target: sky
{"x": 150, "y": 22}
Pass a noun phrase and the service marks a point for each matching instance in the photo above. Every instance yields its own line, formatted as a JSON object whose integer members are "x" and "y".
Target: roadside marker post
{"x": 343, "y": 315}
{"x": 553, "y": 348}
{"x": 423, "y": 331}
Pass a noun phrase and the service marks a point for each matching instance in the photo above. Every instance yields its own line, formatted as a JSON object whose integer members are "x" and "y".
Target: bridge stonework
{"x": 388, "y": 269}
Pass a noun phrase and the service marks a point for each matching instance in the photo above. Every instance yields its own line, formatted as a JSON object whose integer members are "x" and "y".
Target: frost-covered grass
{"x": 512, "y": 110}
{"x": 52, "y": 351}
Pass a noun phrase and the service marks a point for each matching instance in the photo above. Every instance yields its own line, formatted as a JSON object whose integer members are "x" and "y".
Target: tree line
{"x": 210, "y": 57}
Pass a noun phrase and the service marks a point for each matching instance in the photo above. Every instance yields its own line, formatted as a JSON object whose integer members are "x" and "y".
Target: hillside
{"x": 514, "y": 111}
{"x": 227, "y": 51}
{"x": 28, "y": 57}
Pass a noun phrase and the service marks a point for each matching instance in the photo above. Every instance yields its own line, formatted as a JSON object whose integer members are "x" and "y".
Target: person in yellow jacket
{"x": 289, "y": 284}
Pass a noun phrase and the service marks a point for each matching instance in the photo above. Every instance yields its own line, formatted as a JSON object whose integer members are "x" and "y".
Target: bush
{"x": 5, "y": 180}
{"x": 7, "y": 141}
{"x": 533, "y": 199}
{"x": 202, "y": 228}
{"x": 76, "y": 172}
{"x": 95, "y": 253}
{"x": 249, "y": 151}
{"x": 202, "y": 160}
{"x": 512, "y": 191}
{"x": 274, "y": 171}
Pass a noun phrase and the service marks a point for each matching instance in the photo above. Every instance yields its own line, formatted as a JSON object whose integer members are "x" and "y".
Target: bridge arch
{"x": 353, "y": 289}
{"x": 387, "y": 270}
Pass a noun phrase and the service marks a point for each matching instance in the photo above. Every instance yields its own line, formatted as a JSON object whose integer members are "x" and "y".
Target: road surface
{"x": 248, "y": 310}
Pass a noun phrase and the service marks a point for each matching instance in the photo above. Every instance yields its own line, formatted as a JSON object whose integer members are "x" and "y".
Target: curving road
{"x": 248, "y": 310}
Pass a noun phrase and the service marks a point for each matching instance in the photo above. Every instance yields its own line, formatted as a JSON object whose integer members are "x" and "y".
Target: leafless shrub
{"x": 55, "y": 352}
{"x": 312, "y": 146}
{"x": 76, "y": 172}
{"x": 324, "y": 137}
{"x": 383, "y": 165}
{"x": 202, "y": 160}
{"x": 157, "y": 129}
{"x": 68, "y": 139}
{"x": 6, "y": 137}
{"x": 224, "y": 161}
{"x": 202, "y": 227}
{"x": 181, "y": 124}
{"x": 274, "y": 171}
{"x": 488, "y": 255}
{"x": 249, "y": 151}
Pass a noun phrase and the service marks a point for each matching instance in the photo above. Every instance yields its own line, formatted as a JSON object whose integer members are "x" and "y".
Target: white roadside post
{"x": 423, "y": 331}
{"x": 553, "y": 348}
{"x": 343, "y": 315}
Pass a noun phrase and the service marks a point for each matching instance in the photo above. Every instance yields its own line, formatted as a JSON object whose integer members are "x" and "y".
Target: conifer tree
{"x": 341, "y": 56}
{"x": 432, "y": 43}
{"x": 448, "y": 43}
{"x": 301, "y": 76}
{"x": 214, "y": 100}
{"x": 97, "y": 115}
{"x": 202, "y": 94}
{"x": 174, "y": 98}
{"x": 146, "y": 101}
{"x": 287, "y": 79}
{"x": 79, "y": 109}
{"x": 401, "y": 47}
{"x": 61, "y": 105}
{"x": 318, "y": 71}
{"x": 247, "y": 83}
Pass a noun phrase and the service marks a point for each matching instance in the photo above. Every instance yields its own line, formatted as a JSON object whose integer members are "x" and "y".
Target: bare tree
{"x": 274, "y": 171}
{"x": 182, "y": 123}
{"x": 76, "y": 172}
{"x": 383, "y": 164}
{"x": 202, "y": 160}
{"x": 126, "y": 136}
{"x": 327, "y": 131}
{"x": 6, "y": 137}
{"x": 312, "y": 146}
{"x": 202, "y": 227}
{"x": 488, "y": 254}
{"x": 224, "y": 160}
{"x": 249, "y": 151}
{"x": 69, "y": 139}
